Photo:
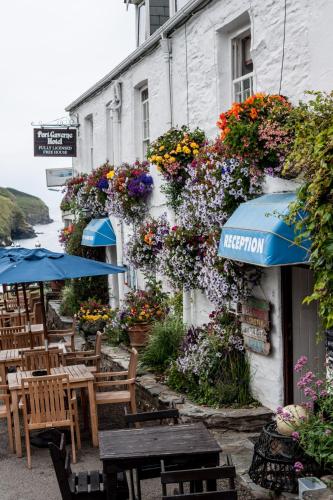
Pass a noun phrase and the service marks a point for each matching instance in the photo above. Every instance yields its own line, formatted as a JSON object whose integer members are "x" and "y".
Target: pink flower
{"x": 323, "y": 393}
{"x": 319, "y": 382}
{"x": 300, "y": 363}
{"x": 279, "y": 410}
{"x": 298, "y": 466}
{"x": 295, "y": 436}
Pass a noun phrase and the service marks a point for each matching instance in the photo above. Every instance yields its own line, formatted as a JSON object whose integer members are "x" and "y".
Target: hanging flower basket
{"x": 139, "y": 334}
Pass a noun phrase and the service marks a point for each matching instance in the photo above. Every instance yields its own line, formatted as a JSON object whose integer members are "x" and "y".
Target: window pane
{"x": 144, "y": 95}
{"x": 180, "y": 4}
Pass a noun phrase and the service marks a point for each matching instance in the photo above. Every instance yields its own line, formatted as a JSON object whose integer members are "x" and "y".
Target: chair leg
{"x": 133, "y": 402}
{"x": 27, "y": 445}
{"x": 73, "y": 443}
{"x": 10, "y": 432}
{"x": 138, "y": 485}
{"x": 77, "y": 426}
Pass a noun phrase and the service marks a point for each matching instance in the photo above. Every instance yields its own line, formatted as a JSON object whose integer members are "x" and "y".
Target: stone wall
{"x": 152, "y": 394}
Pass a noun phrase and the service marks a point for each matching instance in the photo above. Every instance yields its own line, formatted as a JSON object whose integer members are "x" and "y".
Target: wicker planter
{"x": 273, "y": 461}
{"x": 139, "y": 334}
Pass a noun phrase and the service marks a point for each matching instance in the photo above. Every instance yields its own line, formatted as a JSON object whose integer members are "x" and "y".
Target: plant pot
{"x": 139, "y": 334}
{"x": 57, "y": 286}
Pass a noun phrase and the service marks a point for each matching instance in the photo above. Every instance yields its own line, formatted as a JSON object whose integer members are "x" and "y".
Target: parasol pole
{"x": 41, "y": 288}
{"x": 27, "y": 313}
{"x": 18, "y": 301}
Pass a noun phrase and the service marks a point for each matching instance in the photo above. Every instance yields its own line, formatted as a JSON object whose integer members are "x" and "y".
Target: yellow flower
{"x": 195, "y": 152}
{"x": 186, "y": 150}
{"x": 161, "y": 148}
{"x": 159, "y": 158}
{"x": 172, "y": 159}
{"x": 166, "y": 156}
{"x": 178, "y": 148}
{"x": 194, "y": 145}
{"x": 110, "y": 174}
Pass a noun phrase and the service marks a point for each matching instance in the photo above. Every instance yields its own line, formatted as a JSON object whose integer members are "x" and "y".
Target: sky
{"x": 50, "y": 53}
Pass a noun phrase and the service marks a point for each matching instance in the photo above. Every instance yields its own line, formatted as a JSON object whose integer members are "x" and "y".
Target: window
{"x": 90, "y": 141}
{"x": 242, "y": 67}
{"x": 145, "y": 120}
{"x": 180, "y": 4}
{"x": 141, "y": 23}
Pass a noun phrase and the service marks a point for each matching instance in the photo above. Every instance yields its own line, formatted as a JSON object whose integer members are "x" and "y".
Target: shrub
{"x": 212, "y": 367}
{"x": 164, "y": 343}
{"x": 68, "y": 306}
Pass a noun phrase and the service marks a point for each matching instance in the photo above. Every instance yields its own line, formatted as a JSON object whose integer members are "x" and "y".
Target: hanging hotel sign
{"x": 256, "y": 325}
{"x": 55, "y": 142}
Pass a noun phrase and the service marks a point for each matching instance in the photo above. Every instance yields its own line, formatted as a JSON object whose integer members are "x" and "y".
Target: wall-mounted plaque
{"x": 256, "y": 325}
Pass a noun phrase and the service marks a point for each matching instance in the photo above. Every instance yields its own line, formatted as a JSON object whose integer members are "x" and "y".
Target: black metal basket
{"x": 274, "y": 458}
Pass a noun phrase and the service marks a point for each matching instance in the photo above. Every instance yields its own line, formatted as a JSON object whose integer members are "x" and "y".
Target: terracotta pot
{"x": 139, "y": 334}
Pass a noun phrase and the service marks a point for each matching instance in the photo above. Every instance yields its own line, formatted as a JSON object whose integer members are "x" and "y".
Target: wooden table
{"x": 191, "y": 444}
{"x": 79, "y": 377}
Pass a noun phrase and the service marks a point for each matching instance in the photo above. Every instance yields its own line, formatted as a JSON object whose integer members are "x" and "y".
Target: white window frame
{"x": 146, "y": 23}
{"x": 243, "y": 93}
{"x": 89, "y": 122}
{"x": 145, "y": 126}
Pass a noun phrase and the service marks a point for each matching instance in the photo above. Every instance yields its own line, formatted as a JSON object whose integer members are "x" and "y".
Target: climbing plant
{"x": 311, "y": 157}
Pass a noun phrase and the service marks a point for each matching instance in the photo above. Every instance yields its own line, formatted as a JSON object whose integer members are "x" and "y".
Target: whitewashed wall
{"x": 201, "y": 89}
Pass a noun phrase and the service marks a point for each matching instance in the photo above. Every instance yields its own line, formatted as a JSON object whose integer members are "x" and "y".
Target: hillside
{"x": 34, "y": 209}
{"x": 17, "y": 209}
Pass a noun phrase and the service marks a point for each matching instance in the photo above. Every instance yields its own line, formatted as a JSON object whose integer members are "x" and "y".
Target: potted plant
{"x": 93, "y": 317}
{"x": 141, "y": 308}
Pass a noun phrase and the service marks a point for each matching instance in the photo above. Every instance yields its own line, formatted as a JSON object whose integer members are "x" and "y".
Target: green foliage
{"x": 34, "y": 209}
{"x": 163, "y": 344}
{"x": 176, "y": 303}
{"x": 69, "y": 304}
{"x": 91, "y": 286}
{"x": 212, "y": 367}
{"x": 312, "y": 158}
{"x": 226, "y": 384}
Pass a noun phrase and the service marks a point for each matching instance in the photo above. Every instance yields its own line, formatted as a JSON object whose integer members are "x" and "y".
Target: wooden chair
{"x": 29, "y": 339}
{"x": 196, "y": 478}
{"x": 6, "y": 412}
{"x": 102, "y": 380}
{"x": 8, "y": 338}
{"x": 39, "y": 359}
{"x": 82, "y": 485}
{"x": 48, "y": 402}
{"x": 90, "y": 358}
{"x": 69, "y": 334}
{"x": 151, "y": 470}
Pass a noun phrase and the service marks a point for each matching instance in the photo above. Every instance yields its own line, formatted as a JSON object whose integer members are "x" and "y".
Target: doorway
{"x": 300, "y": 327}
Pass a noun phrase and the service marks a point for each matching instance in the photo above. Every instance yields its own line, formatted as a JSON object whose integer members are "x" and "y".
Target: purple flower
{"x": 295, "y": 435}
{"x": 298, "y": 466}
{"x": 102, "y": 184}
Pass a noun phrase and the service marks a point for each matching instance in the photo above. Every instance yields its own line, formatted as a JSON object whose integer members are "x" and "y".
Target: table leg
{"x": 17, "y": 431}
{"x": 93, "y": 413}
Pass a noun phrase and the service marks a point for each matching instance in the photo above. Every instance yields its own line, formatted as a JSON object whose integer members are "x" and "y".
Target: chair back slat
{"x": 47, "y": 398}
{"x": 208, "y": 495}
{"x": 197, "y": 478}
{"x": 39, "y": 359}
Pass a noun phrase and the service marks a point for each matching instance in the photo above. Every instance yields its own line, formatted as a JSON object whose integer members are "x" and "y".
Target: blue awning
{"x": 99, "y": 233}
{"x": 256, "y": 233}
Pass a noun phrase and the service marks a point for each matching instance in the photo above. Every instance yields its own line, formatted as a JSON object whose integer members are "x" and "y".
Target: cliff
{"x": 34, "y": 209}
{"x": 18, "y": 211}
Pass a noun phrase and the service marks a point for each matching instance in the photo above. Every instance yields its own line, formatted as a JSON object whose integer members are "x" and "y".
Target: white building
{"x": 194, "y": 58}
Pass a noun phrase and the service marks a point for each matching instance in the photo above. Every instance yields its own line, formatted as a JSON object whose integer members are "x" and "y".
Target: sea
{"x": 47, "y": 234}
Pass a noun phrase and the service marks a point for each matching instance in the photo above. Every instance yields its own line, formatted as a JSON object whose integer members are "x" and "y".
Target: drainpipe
{"x": 166, "y": 49}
